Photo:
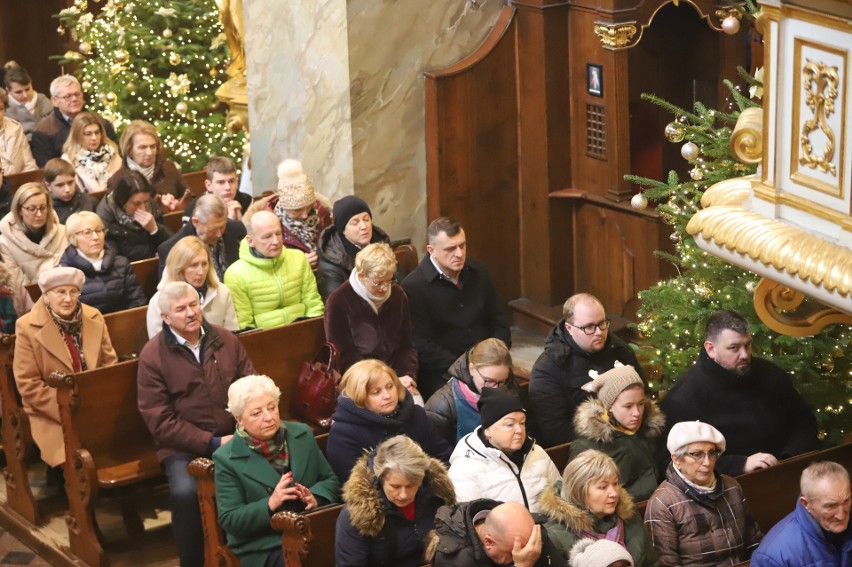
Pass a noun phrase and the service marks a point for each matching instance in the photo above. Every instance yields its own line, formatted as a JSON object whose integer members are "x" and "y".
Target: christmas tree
{"x": 674, "y": 312}
{"x": 159, "y": 61}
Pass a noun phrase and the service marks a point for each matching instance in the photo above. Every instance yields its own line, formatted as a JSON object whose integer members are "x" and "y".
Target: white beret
{"x": 55, "y": 277}
{"x": 686, "y": 432}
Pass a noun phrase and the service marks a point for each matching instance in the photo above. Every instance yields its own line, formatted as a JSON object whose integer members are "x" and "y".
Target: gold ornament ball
{"x": 121, "y": 56}
{"x": 87, "y": 85}
{"x": 110, "y": 98}
{"x": 696, "y": 174}
{"x": 689, "y": 151}
{"x": 131, "y": 87}
{"x": 167, "y": 33}
{"x": 750, "y": 287}
{"x": 731, "y": 25}
{"x": 182, "y": 108}
{"x": 214, "y": 71}
{"x": 115, "y": 69}
{"x": 85, "y": 47}
{"x": 639, "y": 202}
{"x": 674, "y": 132}
{"x": 174, "y": 58}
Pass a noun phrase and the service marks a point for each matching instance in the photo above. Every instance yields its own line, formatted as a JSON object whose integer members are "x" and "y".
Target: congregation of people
{"x": 432, "y": 451}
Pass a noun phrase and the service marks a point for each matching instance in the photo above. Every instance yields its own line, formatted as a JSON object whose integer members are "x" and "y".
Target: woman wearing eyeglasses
{"x": 499, "y": 460}
{"x": 110, "y": 284}
{"x": 698, "y": 517}
{"x": 368, "y": 317}
{"x": 31, "y": 238}
{"x": 625, "y": 425}
{"x": 452, "y": 409}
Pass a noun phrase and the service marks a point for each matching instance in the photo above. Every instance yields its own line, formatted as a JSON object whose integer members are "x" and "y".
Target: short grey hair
{"x": 247, "y": 388}
{"x": 77, "y": 220}
{"x": 818, "y": 471}
{"x": 63, "y": 81}
{"x": 210, "y": 206}
{"x": 172, "y": 291}
{"x": 403, "y": 455}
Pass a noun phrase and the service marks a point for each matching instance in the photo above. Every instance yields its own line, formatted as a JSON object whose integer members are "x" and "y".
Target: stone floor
{"x": 13, "y": 552}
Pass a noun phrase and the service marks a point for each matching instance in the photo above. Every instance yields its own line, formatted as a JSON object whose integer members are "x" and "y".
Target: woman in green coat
{"x": 626, "y": 425}
{"x": 590, "y": 503}
{"x": 268, "y": 466}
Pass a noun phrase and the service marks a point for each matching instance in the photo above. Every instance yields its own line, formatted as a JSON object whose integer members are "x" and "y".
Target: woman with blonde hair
{"x": 391, "y": 500}
{"x": 143, "y": 151}
{"x": 31, "y": 238}
{"x": 190, "y": 261}
{"x": 368, "y": 316}
{"x": 374, "y": 405}
{"x": 591, "y": 503}
{"x": 94, "y": 156}
{"x": 110, "y": 282}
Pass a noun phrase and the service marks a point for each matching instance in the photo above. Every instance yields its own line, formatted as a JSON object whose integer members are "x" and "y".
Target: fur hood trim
{"x": 366, "y": 503}
{"x": 576, "y": 519}
{"x": 589, "y": 424}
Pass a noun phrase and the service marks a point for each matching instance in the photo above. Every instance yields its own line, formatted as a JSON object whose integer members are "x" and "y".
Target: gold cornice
{"x": 615, "y": 36}
{"x": 818, "y": 18}
{"x": 769, "y": 194}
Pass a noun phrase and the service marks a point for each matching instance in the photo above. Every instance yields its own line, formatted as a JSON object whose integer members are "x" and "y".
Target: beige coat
{"x": 15, "y": 153}
{"x": 40, "y": 350}
{"x": 24, "y": 258}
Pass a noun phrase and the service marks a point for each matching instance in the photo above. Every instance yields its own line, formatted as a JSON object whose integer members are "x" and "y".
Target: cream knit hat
{"x": 611, "y": 383}
{"x": 600, "y": 553}
{"x": 295, "y": 190}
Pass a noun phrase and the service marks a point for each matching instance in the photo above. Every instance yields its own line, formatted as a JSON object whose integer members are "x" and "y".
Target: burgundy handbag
{"x": 316, "y": 388}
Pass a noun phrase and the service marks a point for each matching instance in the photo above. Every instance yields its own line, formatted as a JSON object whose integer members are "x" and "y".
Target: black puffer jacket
{"x": 557, "y": 376}
{"x": 112, "y": 288}
{"x": 133, "y": 243}
{"x": 79, "y": 202}
{"x": 441, "y": 406}
{"x": 335, "y": 262}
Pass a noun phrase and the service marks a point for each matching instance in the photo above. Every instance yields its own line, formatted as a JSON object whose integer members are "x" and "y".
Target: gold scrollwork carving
{"x": 615, "y": 36}
{"x": 747, "y": 137}
{"x": 820, "y": 85}
{"x": 785, "y": 311}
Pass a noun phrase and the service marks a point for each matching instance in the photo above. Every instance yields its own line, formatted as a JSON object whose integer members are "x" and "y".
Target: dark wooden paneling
{"x": 472, "y": 152}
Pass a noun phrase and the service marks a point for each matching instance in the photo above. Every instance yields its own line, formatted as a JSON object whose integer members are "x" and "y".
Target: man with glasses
{"x": 697, "y": 516}
{"x": 577, "y": 349}
{"x": 752, "y": 401}
{"x": 52, "y": 131}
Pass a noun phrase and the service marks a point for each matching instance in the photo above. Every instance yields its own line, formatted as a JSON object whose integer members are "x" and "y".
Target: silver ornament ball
{"x": 696, "y": 174}
{"x": 731, "y": 25}
{"x": 639, "y": 202}
{"x": 689, "y": 151}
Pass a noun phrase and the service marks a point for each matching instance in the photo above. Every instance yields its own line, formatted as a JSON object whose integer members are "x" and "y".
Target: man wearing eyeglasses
{"x": 752, "y": 401}
{"x": 578, "y": 348}
{"x": 50, "y": 133}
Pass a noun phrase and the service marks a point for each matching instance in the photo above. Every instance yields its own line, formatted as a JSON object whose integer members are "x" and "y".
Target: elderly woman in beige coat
{"x": 31, "y": 238}
{"x": 59, "y": 334}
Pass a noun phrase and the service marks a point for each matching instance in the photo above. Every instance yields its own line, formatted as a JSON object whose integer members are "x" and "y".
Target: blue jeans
{"x": 186, "y": 516}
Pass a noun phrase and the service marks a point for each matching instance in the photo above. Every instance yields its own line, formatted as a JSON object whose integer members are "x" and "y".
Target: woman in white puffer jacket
{"x": 498, "y": 460}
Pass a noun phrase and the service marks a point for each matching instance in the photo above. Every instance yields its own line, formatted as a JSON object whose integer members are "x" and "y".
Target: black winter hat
{"x": 346, "y": 208}
{"x": 494, "y": 403}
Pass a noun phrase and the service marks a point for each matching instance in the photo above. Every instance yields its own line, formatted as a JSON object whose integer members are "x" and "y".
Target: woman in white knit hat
{"x": 303, "y": 214}
{"x": 599, "y": 553}
{"x": 698, "y": 517}
{"x": 623, "y": 423}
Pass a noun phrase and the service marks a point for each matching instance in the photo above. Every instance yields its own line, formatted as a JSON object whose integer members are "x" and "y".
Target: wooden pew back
{"x": 173, "y": 220}
{"x": 18, "y": 179}
{"x": 298, "y": 532}
{"x": 195, "y": 181}
{"x": 146, "y": 272}
{"x": 216, "y": 551}
{"x": 559, "y": 454}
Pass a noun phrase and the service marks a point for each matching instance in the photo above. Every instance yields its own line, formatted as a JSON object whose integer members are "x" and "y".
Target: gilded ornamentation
{"x": 747, "y": 137}
{"x": 615, "y": 35}
{"x": 820, "y": 84}
{"x": 785, "y": 310}
{"x": 723, "y": 13}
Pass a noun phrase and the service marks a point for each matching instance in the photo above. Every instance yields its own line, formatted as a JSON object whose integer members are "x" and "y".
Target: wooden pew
{"x": 216, "y": 550}
{"x": 195, "y": 181}
{"x": 559, "y": 454}
{"x": 173, "y": 220}
{"x": 146, "y": 273}
{"x": 299, "y": 531}
{"x": 18, "y": 179}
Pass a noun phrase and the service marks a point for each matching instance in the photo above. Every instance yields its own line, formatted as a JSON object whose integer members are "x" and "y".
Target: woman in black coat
{"x": 374, "y": 405}
{"x": 110, "y": 284}
{"x": 133, "y": 218}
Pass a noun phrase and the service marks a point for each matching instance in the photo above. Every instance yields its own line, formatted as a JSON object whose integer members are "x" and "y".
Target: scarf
{"x": 615, "y": 533}
{"x": 35, "y": 235}
{"x": 220, "y": 260}
{"x": 148, "y": 172}
{"x": 273, "y": 450}
{"x": 122, "y": 217}
{"x": 72, "y": 332}
{"x": 307, "y": 231}
{"x": 96, "y": 162}
{"x": 612, "y": 422}
{"x": 202, "y": 293}
{"x": 702, "y": 490}
{"x": 30, "y": 106}
{"x": 374, "y": 301}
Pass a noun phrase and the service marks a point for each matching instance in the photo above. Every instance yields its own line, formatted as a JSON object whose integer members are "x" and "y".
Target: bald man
{"x": 271, "y": 285}
{"x": 486, "y": 533}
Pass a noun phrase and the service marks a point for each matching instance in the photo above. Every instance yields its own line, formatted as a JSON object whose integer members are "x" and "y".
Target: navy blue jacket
{"x": 354, "y": 430}
{"x": 798, "y": 541}
{"x": 112, "y": 288}
{"x": 234, "y": 233}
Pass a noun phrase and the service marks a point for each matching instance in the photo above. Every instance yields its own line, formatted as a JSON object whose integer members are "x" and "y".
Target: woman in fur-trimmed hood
{"x": 590, "y": 503}
{"x": 625, "y": 425}
{"x": 391, "y": 498}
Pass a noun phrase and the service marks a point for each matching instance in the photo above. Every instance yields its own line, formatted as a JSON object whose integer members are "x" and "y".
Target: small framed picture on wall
{"x": 594, "y": 79}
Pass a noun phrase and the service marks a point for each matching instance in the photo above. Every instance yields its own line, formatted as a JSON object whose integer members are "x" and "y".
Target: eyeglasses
{"x": 32, "y": 209}
{"x": 72, "y": 293}
{"x": 491, "y": 382}
{"x": 380, "y": 285}
{"x": 701, "y": 455}
{"x": 590, "y": 328}
{"x": 89, "y": 232}
{"x": 71, "y": 96}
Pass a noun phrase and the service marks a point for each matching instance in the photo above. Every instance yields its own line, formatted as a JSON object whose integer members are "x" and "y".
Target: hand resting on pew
{"x": 759, "y": 461}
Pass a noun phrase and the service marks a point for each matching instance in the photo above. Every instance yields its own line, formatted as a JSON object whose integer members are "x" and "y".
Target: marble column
{"x": 340, "y": 86}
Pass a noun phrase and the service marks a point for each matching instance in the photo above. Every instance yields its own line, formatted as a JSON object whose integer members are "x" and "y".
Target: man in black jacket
{"x": 453, "y": 304}
{"x": 485, "y": 532}
{"x": 211, "y": 224}
{"x": 577, "y": 349}
{"x": 751, "y": 401}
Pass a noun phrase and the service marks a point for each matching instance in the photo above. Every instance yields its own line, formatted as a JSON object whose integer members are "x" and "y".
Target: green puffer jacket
{"x": 270, "y": 292}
